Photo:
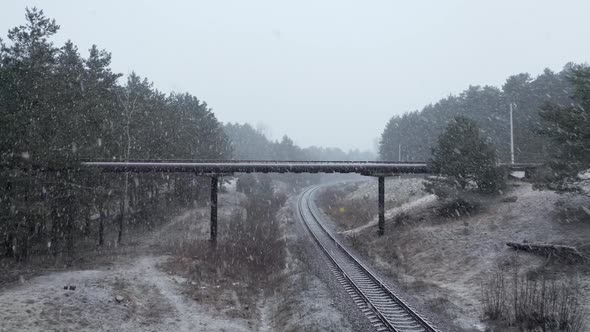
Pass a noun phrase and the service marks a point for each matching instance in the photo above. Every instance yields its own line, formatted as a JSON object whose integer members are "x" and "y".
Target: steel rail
{"x": 393, "y": 313}
{"x": 381, "y": 324}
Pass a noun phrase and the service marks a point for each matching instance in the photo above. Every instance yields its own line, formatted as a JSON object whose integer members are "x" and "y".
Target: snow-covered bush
{"x": 533, "y": 303}
{"x": 465, "y": 157}
{"x": 458, "y": 206}
{"x": 454, "y": 201}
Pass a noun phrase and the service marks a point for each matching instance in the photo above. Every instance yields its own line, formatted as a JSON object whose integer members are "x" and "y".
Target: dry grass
{"x": 572, "y": 210}
{"x": 249, "y": 250}
{"x": 457, "y": 207}
{"x": 247, "y": 259}
{"x": 533, "y": 303}
{"x": 350, "y": 213}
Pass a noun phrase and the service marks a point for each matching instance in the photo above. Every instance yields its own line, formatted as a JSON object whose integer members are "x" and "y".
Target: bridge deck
{"x": 225, "y": 167}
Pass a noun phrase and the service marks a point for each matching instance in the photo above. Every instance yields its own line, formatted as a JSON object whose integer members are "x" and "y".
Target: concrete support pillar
{"x": 214, "y": 186}
{"x": 381, "y": 230}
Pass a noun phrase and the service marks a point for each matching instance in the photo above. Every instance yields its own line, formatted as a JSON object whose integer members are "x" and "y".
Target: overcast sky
{"x": 325, "y": 72}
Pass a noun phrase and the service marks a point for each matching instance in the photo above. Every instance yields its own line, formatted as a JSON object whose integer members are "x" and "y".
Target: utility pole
{"x": 511, "y": 136}
{"x": 399, "y": 152}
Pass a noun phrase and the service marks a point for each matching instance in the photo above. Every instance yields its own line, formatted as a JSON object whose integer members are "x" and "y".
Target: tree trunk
{"x": 87, "y": 221}
{"x": 101, "y": 217}
{"x": 71, "y": 207}
{"x": 156, "y": 196}
{"x": 69, "y": 230}
{"x": 55, "y": 228}
{"x": 121, "y": 218}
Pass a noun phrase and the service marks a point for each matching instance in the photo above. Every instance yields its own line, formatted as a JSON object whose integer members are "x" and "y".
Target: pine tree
{"x": 568, "y": 127}
{"x": 464, "y": 155}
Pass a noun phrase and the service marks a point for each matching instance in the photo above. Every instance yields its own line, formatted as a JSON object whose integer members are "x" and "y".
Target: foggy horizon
{"x": 348, "y": 67}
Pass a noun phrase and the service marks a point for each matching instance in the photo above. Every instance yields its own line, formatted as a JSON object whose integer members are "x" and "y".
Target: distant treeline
{"x": 412, "y": 135}
{"x": 250, "y": 143}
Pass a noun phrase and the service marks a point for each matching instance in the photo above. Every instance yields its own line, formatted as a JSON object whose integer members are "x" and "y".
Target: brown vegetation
{"x": 533, "y": 303}
{"x": 350, "y": 213}
{"x": 571, "y": 211}
{"x": 248, "y": 257}
{"x": 248, "y": 250}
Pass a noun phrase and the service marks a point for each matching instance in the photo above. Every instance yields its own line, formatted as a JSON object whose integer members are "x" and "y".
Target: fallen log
{"x": 569, "y": 253}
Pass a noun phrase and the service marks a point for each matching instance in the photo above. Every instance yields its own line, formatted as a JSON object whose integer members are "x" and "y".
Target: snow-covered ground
{"x": 135, "y": 297}
{"x": 130, "y": 295}
{"x": 398, "y": 190}
{"x": 390, "y": 214}
{"x": 138, "y": 293}
{"x": 443, "y": 262}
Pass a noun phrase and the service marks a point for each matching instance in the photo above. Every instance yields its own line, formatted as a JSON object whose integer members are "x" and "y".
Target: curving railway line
{"x": 385, "y": 310}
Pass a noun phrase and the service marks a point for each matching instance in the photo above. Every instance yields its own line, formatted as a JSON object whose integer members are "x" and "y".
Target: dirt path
{"x": 136, "y": 291}
{"x": 128, "y": 296}
{"x": 419, "y": 203}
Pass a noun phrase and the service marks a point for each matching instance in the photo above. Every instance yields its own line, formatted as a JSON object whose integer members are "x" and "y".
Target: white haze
{"x": 326, "y": 73}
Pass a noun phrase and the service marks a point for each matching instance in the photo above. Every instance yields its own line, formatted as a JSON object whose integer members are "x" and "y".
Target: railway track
{"x": 385, "y": 310}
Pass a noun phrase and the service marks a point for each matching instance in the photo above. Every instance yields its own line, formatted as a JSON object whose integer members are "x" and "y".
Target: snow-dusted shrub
{"x": 509, "y": 199}
{"x": 350, "y": 212}
{"x": 250, "y": 245}
{"x": 533, "y": 304}
{"x": 491, "y": 179}
{"x": 495, "y": 297}
{"x": 454, "y": 201}
{"x": 457, "y": 206}
{"x": 465, "y": 155}
{"x": 443, "y": 187}
{"x": 568, "y": 211}
{"x": 401, "y": 218}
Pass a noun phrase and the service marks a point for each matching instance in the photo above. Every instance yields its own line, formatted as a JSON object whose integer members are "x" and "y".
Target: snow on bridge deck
{"x": 375, "y": 168}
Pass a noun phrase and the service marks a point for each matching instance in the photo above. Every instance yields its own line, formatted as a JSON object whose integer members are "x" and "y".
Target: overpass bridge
{"x": 218, "y": 168}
